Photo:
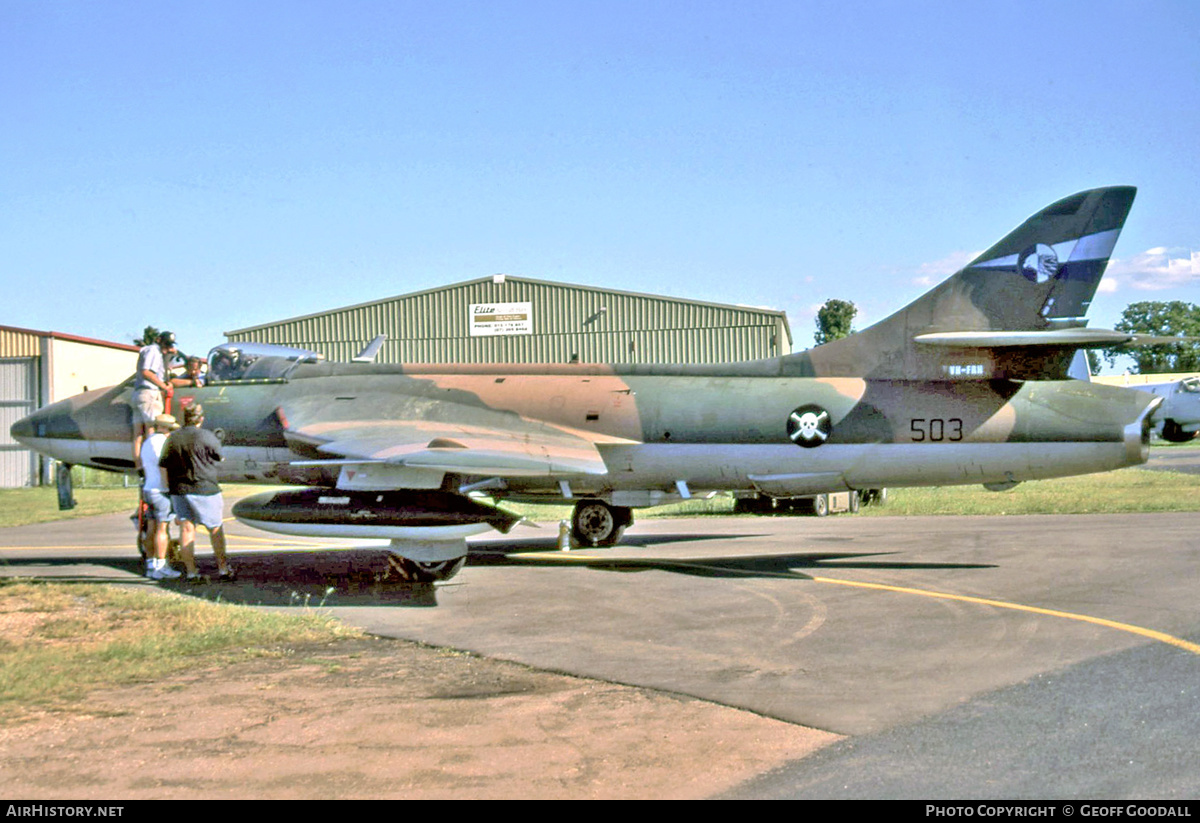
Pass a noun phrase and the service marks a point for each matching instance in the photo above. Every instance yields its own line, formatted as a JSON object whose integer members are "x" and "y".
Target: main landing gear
{"x": 407, "y": 570}
{"x": 426, "y": 561}
{"x": 596, "y": 523}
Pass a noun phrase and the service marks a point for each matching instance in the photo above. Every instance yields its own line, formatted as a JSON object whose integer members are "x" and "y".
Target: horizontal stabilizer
{"x": 1066, "y": 338}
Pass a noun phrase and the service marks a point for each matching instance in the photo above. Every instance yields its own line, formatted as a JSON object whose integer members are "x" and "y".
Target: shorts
{"x": 206, "y": 509}
{"x": 159, "y": 503}
{"x": 147, "y": 404}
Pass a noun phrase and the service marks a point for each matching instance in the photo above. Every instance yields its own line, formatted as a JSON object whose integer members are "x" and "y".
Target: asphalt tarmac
{"x": 1031, "y": 656}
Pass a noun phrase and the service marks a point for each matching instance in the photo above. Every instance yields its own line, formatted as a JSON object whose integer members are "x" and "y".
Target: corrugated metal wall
{"x": 568, "y": 323}
{"x": 20, "y": 357}
{"x": 18, "y": 398}
{"x": 37, "y": 368}
{"x": 18, "y": 343}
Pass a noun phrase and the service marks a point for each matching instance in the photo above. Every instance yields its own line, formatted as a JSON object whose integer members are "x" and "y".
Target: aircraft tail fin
{"x": 1037, "y": 281}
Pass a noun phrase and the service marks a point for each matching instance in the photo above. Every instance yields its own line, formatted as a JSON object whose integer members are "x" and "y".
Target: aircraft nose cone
{"x": 23, "y": 429}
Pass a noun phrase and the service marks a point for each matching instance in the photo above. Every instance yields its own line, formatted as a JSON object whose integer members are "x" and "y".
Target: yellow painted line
{"x": 274, "y": 541}
{"x": 1161, "y": 637}
{"x": 230, "y": 539}
{"x": 129, "y": 545}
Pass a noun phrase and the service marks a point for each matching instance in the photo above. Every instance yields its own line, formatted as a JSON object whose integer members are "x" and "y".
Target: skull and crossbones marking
{"x": 809, "y": 426}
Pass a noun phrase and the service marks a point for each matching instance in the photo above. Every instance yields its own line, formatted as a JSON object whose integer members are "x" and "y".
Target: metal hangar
{"x": 505, "y": 319}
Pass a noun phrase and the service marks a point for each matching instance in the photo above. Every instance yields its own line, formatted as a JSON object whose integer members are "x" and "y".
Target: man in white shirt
{"x": 150, "y": 386}
{"x": 158, "y": 502}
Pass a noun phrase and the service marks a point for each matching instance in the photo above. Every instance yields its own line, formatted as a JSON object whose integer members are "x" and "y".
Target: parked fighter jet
{"x": 1178, "y": 419}
{"x": 965, "y": 385}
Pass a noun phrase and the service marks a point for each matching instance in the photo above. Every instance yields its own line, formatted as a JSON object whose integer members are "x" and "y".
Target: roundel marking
{"x": 1038, "y": 263}
{"x": 809, "y": 426}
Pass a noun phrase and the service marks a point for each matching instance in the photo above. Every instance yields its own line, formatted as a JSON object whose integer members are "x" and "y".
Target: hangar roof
{"x": 15, "y": 337}
{"x": 503, "y": 278}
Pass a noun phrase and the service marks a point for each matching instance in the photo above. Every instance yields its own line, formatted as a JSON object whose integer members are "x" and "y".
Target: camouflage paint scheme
{"x": 965, "y": 385}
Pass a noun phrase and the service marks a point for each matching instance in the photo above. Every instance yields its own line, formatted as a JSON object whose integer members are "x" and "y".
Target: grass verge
{"x": 22, "y": 507}
{"x": 1125, "y": 490}
{"x": 59, "y": 642}
{"x": 1122, "y": 491}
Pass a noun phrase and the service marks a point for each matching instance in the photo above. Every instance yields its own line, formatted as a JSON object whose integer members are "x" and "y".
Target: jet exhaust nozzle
{"x": 1137, "y": 434}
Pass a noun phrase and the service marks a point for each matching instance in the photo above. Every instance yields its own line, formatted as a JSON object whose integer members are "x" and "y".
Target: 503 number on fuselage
{"x": 936, "y": 429}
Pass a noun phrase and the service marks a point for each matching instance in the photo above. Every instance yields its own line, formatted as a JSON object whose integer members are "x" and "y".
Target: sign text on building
{"x": 491, "y": 319}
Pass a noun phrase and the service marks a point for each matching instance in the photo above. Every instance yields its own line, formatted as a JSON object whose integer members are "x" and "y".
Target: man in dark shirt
{"x": 189, "y": 461}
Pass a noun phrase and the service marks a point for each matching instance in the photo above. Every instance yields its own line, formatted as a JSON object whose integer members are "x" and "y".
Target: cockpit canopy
{"x": 241, "y": 360}
{"x": 1190, "y": 384}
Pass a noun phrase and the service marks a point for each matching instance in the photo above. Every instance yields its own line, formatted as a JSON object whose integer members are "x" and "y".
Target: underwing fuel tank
{"x": 394, "y": 515}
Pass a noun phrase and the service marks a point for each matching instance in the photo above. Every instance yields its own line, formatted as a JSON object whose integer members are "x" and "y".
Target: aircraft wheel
{"x": 820, "y": 505}
{"x": 422, "y": 571}
{"x": 855, "y": 503}
{"x": 595, "y": 523}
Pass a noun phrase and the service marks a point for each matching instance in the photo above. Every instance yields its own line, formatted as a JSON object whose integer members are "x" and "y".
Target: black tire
{"x": 595, "y": 523}
{"x": 820, "y": 505}
{"x": 408, "y": 570}
{"x": 855, "y": 503}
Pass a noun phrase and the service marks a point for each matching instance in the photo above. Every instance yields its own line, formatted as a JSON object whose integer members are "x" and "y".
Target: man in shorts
{"x": 190, "y": 459}
{"x": 150, "y": 386}
{"x": 158, "y": 504}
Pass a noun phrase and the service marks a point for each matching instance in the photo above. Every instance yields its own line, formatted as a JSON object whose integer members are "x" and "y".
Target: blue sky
{"x": 211, "y": 165}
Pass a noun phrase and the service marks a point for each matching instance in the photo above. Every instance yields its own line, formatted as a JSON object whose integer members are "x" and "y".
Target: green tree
{"x": 834, "y": 320}
{"x": 149, "y": 335}
{"x": 1174, "y": 318}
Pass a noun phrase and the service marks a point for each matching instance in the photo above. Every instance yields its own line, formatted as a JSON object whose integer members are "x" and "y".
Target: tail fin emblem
{"x": 1038, "y": 263}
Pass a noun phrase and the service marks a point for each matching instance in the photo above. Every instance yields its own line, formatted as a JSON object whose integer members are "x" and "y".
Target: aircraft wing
{"x": 441, "y": 435}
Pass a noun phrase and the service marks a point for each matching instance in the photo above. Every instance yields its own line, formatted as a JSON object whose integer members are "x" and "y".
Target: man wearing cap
{"x": 190, "y": 459}
{"x": 158, "y": 505}
{"x": 150, "y": 386}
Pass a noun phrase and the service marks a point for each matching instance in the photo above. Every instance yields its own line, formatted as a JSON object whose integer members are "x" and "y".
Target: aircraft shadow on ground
{"x": 350, "y": 577}
{"x": 360, "y": 577}
{"x": 742, "y": 566}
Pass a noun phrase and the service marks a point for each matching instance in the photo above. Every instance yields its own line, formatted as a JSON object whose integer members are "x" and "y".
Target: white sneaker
{"x": 165, "y": 573}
